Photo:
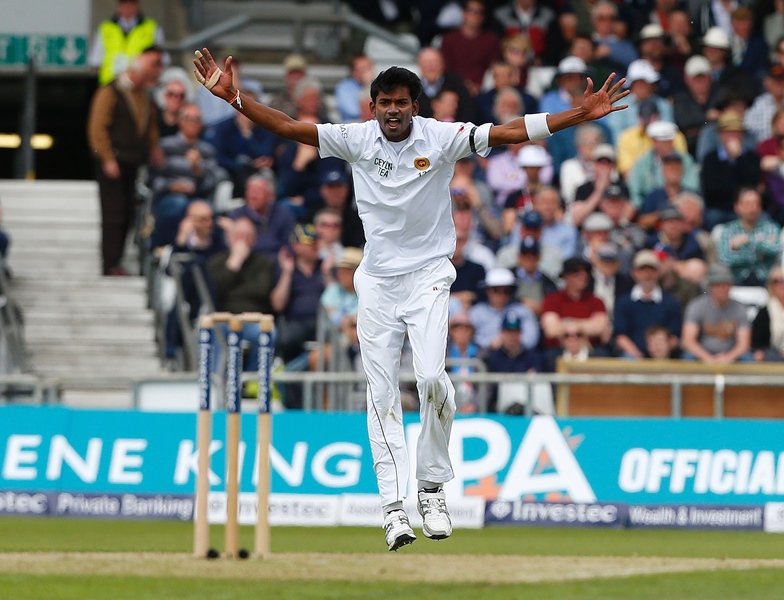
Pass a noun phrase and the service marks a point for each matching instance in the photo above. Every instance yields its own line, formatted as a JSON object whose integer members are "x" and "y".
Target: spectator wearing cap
{"x": 467, "y": 288}
{"x": 635, "y": 141}
{"x": 434, "y": 78}
{"x": 485, "y": 46}
{"x": 274, "y": 221}
{"x": 461, "y": 348}
{"x": 243, "y": 148}
{"x": 511, "y": 357}
{"x": 299, "y": 283}
{"x": 691, "y": 103}
{"x": 570, "y": 79}
{"x": 295, "y": 67}
{"x": 660, "y": 198}
{"x": 734, "y": 101}
{"x": 533, "y": 159}
{"x": 339, "y": 298}
{"x": 759, "y": 118}
{"x": 628, "y": 236}
{"x": 532, "y": 284}
{"x": 653, "y": 49}
{"x": 335, "y": 193}
{"x": 751, "y": 244}
{"x": 607, "y": 282}
{"x": 726, "y": 170}
{"x": 505, "y": 175}
{"x": 673, "y": 238}
{"x": 618, "y": 52}
{"x": 749, "y": 51}
{"x": 716, "y": 47}
{"x": 716, "y": 328}
{"x": 646, "y": 174}
{"x": 645, "y": 306}
{"x": 579, "y": 170}
{"x": 577, "y": 304}
{"x": 530, "y": 225}
{"x": 595, "y": 231}
{"x": 590, "y": 194}
{"x": 487, "y": 316}
{"x": 641, "y": 79}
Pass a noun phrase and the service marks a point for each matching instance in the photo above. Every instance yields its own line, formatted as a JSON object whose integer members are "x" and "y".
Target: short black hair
{"x": 395, "y": 77}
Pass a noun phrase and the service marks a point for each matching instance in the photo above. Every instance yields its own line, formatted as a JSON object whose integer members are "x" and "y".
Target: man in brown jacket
{"x": 122, "y": 132}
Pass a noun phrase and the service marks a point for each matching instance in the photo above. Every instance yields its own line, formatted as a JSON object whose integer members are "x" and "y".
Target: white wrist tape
{"x": 536, "y": 126}
{"x": 213, "y": 78}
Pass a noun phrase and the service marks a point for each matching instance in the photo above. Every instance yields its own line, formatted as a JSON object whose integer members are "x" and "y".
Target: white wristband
{"x": 536, "y": 126}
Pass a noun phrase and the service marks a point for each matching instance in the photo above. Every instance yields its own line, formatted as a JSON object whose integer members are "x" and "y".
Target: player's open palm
{"x": 219, "y": 81}
{"x": 602, "y": 102}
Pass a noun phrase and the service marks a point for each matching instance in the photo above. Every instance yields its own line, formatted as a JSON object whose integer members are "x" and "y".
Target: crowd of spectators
{"x": 619, "y": 238}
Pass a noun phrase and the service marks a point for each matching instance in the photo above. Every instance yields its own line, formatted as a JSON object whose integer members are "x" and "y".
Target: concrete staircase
{"x": 94, "y": 333}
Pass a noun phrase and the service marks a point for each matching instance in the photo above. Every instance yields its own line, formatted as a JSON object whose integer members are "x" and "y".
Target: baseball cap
{"x": 647, "y": 108}
{"x": 718, "y": 273}
{"x": 617, "y": 191}
{"x": 597, "y": 221}
{"x": 511, "y": 322}
{"x": 669, "y": 212}
{"x": 608, "y": 251}
{"x": 716, "y": 37}
{"x": 697, "y": 65}
{"x": 304, "y": 234}
{"x": 295, "y": 62}
{"x": 661, "y": 130}
{"x": 641, "y": 70}
{"x": 651, "y": 31}
{"x": 574, "y": 265}
{"x": 742, "y": 12}
{"x": 604, "y": 151}
{"x": 531, "y": 219}
{"x": 572, "y": 64}
{"x": 333, "y": 176}
{"x": 529, "y": 245}
{"x": 499, "y": 277}
{"x": 646, "y": 258}
{"x": 533, "y": 155}
{"x": 731, "y": 121}
{"x": 350, "y": 258}
{"x": 460, "y": 318}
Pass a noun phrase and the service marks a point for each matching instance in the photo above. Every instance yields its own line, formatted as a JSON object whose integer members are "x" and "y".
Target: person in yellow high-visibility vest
{"x": 119, "y": 39}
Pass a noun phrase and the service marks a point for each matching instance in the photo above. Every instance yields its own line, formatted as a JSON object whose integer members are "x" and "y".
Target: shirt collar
{"x": 416, "y": 133}
{"x": 656, "y": 294}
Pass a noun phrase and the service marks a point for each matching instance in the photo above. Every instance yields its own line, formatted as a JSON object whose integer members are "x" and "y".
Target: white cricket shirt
{"x": 403, "y": 198}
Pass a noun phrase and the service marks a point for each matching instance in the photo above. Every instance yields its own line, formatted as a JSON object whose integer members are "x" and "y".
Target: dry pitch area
{"x": 480, "y": 568}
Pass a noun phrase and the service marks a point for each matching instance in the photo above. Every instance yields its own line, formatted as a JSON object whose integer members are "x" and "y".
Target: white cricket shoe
{"x": 397, "y": 530}
{"x": 436, "y": 523}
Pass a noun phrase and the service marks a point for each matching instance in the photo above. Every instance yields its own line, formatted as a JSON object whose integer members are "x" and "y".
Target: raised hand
{"x": 600, "y": 103}
{"x": 219, "y": 82}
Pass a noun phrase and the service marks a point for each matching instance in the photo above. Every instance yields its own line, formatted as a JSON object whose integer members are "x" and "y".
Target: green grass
{"x": 41, "y": 534}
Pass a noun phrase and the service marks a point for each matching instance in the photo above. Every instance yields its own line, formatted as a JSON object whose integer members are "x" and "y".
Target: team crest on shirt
{"x": 422, "y": 163}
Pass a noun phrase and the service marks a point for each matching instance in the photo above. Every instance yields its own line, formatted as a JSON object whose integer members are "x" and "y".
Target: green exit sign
{"x": 45, "y": 50}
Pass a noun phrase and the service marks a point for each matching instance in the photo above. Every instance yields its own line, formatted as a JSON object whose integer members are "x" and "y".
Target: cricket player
{"x": 402, "y": 165}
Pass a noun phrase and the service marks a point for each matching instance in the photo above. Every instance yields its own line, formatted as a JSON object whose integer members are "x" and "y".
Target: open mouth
{"x": 393, "y": 122}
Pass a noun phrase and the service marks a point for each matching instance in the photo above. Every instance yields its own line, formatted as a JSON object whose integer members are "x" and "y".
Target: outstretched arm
{"x": 220, "y": 83}
{"x": 595, "y": 105}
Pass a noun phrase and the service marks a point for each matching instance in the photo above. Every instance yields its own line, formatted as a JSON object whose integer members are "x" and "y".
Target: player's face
{"x": 394, "y": 111}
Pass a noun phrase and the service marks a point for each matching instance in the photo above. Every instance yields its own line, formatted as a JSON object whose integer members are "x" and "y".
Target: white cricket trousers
{"x": 416, "y": 302}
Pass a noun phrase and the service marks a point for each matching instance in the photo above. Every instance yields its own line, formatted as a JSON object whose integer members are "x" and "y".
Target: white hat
{"x": 697, "y": 65}
{"x": 603, "y": 151}
{"x": 651, "y": 31}
{"x": 499, "y": 278}
{"x": 716, "y": 37}
{"x": 572, "y": 64}
{"x": 661, "y": 130}
{"x": 597, "y": 221}
{"x": 641, "y": 69}
{"x": 532, "y": 155}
